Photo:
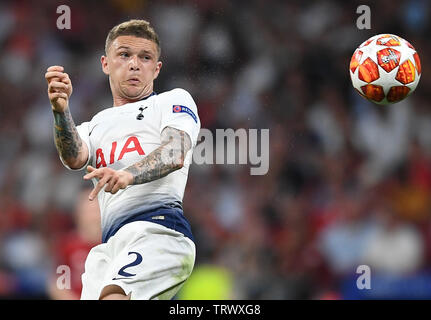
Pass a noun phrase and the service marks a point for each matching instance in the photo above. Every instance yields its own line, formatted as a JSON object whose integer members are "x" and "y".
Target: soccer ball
{"x": 385, "y": 69}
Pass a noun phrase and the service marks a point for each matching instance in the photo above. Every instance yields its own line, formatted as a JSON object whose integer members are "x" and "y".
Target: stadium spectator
{"x": 71, "y": 250}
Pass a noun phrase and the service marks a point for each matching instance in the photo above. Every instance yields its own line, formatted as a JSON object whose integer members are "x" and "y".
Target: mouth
{"x": 133, "y": 81}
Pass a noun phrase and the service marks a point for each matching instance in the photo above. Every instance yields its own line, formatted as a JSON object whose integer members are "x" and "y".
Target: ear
{"x": 104, "y": 62}
{"x": 158, "y": 67}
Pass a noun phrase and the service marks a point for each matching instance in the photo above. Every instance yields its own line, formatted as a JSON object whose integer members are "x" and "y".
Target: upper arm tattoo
{"x": 66, "y": 137}
{"x": 163, "y": 160}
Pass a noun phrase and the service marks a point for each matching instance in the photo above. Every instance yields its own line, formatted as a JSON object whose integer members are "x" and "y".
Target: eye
{"x": 124, "y": 54}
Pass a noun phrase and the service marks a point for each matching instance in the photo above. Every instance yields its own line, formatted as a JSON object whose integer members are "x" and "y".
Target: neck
{"x": 119, "y": 100}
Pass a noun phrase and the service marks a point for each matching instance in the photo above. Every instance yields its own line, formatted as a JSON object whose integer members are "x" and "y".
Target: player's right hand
{"x": 59, "y": 88}
{"x": 113, "y": 179}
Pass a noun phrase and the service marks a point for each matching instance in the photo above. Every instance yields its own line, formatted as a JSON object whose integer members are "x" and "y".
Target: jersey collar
{"x": 152, "y": 94}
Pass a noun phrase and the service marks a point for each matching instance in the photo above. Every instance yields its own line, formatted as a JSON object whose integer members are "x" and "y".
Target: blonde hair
{"x": 134, "y": 27}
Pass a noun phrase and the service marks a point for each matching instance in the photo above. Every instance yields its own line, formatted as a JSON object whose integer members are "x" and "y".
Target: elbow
{"x": 74, "y": 164}
{"x": 179, "y": 163}
{"x": 75, "y": 158}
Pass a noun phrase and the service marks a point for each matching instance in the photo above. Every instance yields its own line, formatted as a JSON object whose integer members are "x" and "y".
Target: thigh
{"x": 153, "y": 263}
{"x": 96, "y": 265}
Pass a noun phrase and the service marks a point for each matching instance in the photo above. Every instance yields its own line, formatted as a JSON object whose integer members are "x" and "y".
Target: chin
{"x": 133, "y": 94}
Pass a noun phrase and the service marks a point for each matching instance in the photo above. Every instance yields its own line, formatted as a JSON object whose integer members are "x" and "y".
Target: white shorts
{"x": 145, "y": 259}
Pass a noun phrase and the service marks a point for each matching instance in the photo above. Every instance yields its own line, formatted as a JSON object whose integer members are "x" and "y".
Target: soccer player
{"x": 137, "y": 153}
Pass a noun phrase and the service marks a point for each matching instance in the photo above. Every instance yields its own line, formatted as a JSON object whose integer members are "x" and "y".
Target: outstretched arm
{"x": 67, "y": 141}
{"x": 159, "y": 163}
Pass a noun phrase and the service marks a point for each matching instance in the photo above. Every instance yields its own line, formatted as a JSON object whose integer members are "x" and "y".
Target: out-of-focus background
{"x": 348, "y": 184}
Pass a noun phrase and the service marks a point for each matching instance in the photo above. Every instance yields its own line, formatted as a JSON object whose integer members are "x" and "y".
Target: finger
{"x": 121, "y": 184}
{"x": 90, "y": 169}
{"x": 94, "y": 173}
{"x": 55, "y": 73}
{"x": 57, "y": 86}
{"x": 55, "y": 68}
{"x": 56, "y": 95}
{"x": 111, "y": 184}
{"x": 66, "y": 79}
{"x": 49, "y": 76}
{"x": 58, "y": 90}
{"x": 116, "y": 188}
{"x": 98, "y": 187}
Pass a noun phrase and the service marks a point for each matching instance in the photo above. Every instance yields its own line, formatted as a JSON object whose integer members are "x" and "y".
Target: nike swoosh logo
{"x": 89, "y": 134}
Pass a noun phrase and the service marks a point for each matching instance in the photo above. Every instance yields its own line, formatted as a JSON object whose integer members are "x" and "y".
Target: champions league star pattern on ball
{"x": 385, "y": 69}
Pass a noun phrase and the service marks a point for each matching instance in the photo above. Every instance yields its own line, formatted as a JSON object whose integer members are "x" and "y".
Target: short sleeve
{"x": 179, "y": 111}
{"x": 84, "y": 133}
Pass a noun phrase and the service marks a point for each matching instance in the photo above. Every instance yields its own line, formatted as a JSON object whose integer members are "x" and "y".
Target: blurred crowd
{"x": 348, "y": 181}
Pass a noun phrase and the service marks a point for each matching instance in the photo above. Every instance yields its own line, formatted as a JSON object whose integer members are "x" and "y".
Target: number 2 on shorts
{"x": 138, "y": 260}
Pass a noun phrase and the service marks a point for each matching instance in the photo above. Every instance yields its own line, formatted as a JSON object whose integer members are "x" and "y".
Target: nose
{"x": 133, "y": 63}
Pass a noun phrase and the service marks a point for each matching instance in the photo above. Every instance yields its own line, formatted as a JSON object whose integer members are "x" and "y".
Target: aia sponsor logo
{"x": 131, "y": 145}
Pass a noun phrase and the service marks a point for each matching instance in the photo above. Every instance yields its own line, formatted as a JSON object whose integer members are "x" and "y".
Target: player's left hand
{"x": 113, "y": 179}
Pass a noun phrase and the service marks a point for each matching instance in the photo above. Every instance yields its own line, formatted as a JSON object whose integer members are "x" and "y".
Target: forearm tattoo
{"x": 66, "y": 137}
{"x": 165, "y": 159}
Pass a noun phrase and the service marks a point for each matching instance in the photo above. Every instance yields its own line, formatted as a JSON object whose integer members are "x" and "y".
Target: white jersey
{"x": 118, "y": 137}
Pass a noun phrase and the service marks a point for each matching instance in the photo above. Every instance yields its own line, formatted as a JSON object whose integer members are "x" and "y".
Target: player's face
{"x": 132, "y": 65}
